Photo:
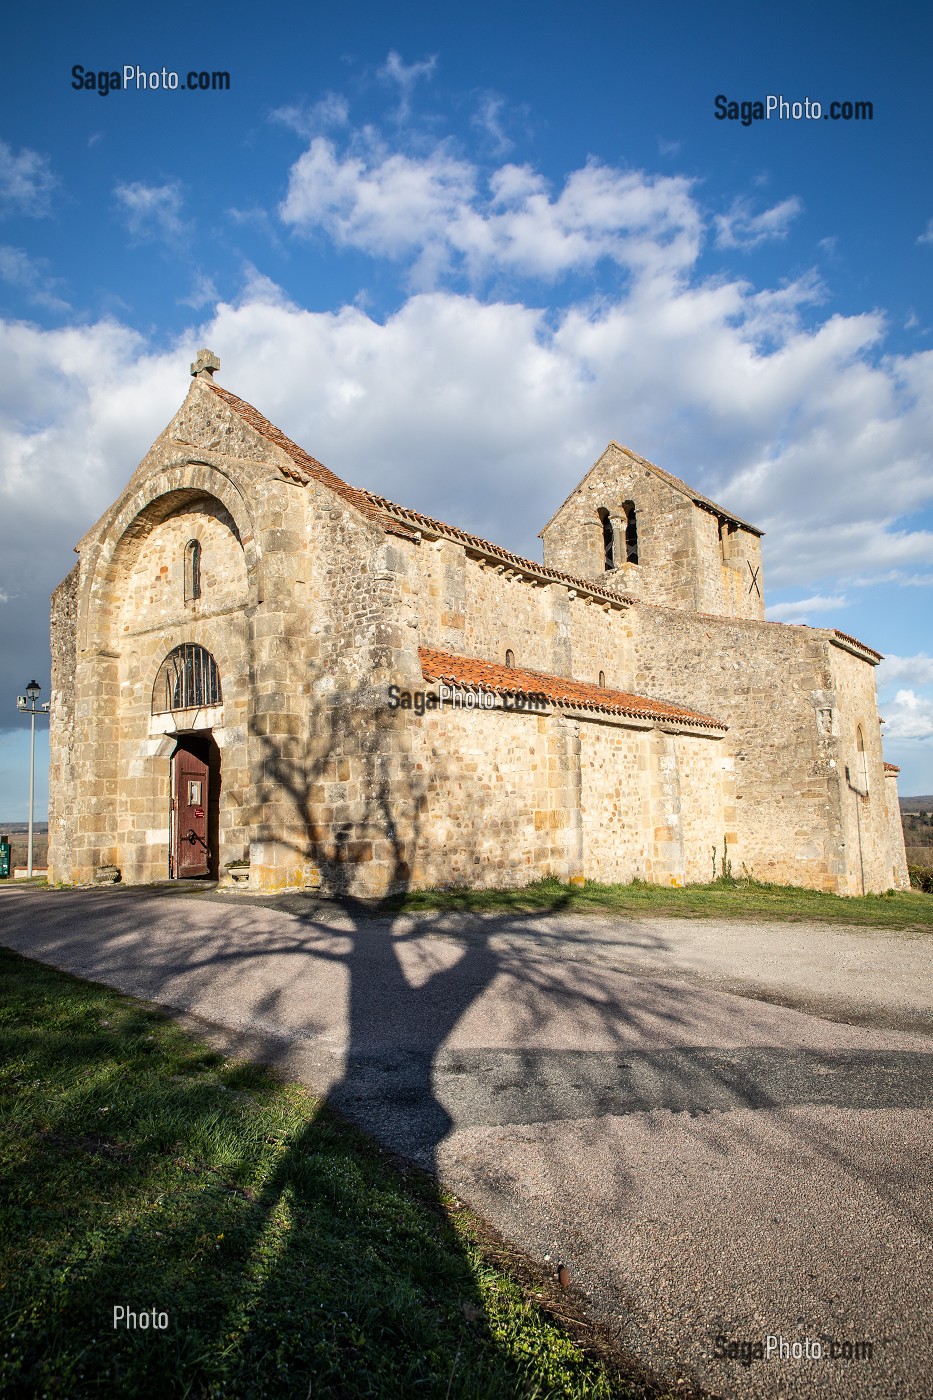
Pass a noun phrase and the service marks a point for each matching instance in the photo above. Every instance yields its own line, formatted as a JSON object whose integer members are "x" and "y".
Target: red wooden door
{"x": 189, "y": 809}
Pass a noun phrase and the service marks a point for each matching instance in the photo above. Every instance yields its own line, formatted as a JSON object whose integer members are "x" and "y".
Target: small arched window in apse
{"x": 510, "y": 658}
{"x": 602, "y": 679}
{"x": 192, "y": 570}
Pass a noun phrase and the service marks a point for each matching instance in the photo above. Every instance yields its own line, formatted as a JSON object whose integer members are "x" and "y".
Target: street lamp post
{"x": 27, "y": 703}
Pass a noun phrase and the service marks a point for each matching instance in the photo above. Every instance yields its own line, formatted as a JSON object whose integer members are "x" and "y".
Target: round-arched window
{"x": 192, "y": 571}
{"x": 188, "y": 679}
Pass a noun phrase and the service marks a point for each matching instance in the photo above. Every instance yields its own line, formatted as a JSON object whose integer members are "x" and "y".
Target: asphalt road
{"x": 645, "y": 1100}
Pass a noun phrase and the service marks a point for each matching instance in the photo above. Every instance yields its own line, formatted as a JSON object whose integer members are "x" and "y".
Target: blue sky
{"x": 453, "y": 253}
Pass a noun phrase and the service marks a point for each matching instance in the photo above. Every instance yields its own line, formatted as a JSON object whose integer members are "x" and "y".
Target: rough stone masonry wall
{"x": 768, "y": 682}
{"x": 333, "y": 775}
{"x": 652, "y": 804}
{"x": 472, "y": 608}
{"x": 62, "y": 727}
{"x": 707, "y": 806}
{"x": 616, "y": 802}
{"x": 727, "y": 568}
{"x": 468, "y": 606}
{"x": 600, "y": 639}
{"x": 877, "y": 858}
{"x": 491, "y": 791}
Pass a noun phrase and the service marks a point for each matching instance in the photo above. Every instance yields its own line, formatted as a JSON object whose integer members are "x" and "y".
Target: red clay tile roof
{"x": 891, "y": 768}
{"x": 512, "y": 680}
{"x": 854, "y": 641}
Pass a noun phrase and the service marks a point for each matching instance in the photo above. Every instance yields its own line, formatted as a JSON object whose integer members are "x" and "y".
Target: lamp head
{"x": 32, "y": 690}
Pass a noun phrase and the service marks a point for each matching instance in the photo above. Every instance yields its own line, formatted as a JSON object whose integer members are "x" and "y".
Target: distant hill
{"x": 22, "y": 828}
{"x": 916, "y": 804}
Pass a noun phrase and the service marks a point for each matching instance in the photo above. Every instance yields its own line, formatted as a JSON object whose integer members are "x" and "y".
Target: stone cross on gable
{"x": 205, "y": 365}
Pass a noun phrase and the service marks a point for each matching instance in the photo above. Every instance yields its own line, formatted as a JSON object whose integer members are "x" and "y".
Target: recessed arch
{"x": 124, "y": 528}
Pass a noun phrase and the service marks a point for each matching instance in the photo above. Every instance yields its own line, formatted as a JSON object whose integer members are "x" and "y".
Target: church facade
{"x": 265, "y": 676}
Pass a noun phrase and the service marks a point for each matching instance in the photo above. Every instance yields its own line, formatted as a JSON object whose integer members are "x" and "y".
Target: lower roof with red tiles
{"x": 466, "y": 671}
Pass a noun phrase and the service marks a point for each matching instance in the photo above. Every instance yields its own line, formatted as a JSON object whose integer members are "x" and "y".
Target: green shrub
{"x": 921, "y": 877}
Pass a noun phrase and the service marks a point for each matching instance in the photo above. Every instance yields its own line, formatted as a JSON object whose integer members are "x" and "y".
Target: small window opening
{"x": 631, "y": 533}
{"x": 602, "y": 679}
{"x": 609, "y": 552}
{"x": 192, "y": 570}
{"x": 510, "y": 658}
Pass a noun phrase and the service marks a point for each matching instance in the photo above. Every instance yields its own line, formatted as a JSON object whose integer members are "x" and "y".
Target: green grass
{"x": 740, "y": 899}
{"x": 139, "y": 1168}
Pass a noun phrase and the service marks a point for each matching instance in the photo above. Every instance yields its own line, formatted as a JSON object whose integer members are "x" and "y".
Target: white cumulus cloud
{"x": 908, "y": 716}
{"x": 916, "y": 670}
{"x": 803, "y": 608}
{"x": 439, "y": 206}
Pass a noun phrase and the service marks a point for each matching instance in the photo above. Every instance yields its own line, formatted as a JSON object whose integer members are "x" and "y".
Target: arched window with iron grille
{"x": 188, "y": 679}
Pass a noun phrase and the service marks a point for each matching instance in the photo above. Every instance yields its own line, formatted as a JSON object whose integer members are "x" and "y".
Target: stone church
{"x": 265, "y": 676}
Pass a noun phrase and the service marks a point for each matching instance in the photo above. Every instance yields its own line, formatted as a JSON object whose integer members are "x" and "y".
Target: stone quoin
{"x": 225, "y": 645}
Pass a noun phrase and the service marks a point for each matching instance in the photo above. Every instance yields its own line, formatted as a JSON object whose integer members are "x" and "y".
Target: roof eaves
{"x": 426, "y": 525}
{"x": 558, "y": 690}
{"x": 852, "y": 644}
